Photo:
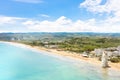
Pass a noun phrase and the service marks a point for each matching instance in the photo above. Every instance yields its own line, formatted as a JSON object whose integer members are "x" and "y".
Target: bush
{"x": 115, "y": 60}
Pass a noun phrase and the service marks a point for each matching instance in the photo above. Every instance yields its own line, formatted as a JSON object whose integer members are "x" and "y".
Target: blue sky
{"x": 53, "y": 8}
{"x": 59, "y": 16}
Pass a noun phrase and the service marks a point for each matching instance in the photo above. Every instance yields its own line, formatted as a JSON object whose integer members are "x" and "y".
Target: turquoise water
{"x": 18, "y": 63}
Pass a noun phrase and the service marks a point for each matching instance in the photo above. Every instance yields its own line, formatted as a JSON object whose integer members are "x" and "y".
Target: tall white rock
{"x": 105, "y": 60}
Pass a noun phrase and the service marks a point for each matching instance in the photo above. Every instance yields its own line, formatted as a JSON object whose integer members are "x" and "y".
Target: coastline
{"x": 94, "y": 61}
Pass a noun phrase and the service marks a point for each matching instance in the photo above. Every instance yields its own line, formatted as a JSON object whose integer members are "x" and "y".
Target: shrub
{"x": 115, "y": 60}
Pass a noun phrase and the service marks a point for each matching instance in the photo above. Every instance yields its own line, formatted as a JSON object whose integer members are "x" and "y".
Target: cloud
{"x": 110, "y": 7}
{"x": 96, "y": 6}
{"x": 11, "y": 24}
{"x": 9, "y": 20}
{"x": 62, "y": 24}
{"x": 59, "y": 25}
{"x": 29, "y": 1}
{"x": 44, "y": 15}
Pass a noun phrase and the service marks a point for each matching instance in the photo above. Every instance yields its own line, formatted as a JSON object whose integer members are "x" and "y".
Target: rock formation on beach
{"x": 105, "y": 60}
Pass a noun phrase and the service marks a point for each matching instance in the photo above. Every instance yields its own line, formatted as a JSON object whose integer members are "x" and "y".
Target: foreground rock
{"x": 105, "y": 60}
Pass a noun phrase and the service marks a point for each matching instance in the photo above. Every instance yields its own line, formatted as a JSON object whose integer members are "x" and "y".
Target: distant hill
{"x": 52, "y": 36}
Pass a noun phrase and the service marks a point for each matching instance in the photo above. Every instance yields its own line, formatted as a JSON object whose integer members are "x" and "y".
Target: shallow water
{"x": 18, "y": 63}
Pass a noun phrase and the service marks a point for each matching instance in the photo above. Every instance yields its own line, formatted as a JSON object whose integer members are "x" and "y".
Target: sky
{"x": 60, "y": 16}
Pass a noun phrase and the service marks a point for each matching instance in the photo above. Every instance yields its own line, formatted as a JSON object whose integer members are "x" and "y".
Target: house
{"x": 98, "y": 52}
{"x": 85, "y": 54}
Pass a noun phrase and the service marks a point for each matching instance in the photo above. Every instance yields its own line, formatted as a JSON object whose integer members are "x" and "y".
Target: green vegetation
{"x": 75, "y": 42}
{"x": 78, "y": 45}
{"x": 115, "y": 59}
{"x": 88, "y": 43}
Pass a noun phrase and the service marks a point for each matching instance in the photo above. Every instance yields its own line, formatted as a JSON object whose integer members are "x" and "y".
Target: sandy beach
{"x": 94, "y": 61}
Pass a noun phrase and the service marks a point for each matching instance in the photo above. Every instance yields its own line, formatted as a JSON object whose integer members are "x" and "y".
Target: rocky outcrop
{"x": 105, "y": 60}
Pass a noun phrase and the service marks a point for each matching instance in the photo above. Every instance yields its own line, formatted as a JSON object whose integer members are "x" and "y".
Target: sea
{"x": 20, "y": 63}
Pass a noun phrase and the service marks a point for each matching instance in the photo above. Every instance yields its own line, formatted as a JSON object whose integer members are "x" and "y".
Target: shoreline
{"x": 94, "y": 61}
